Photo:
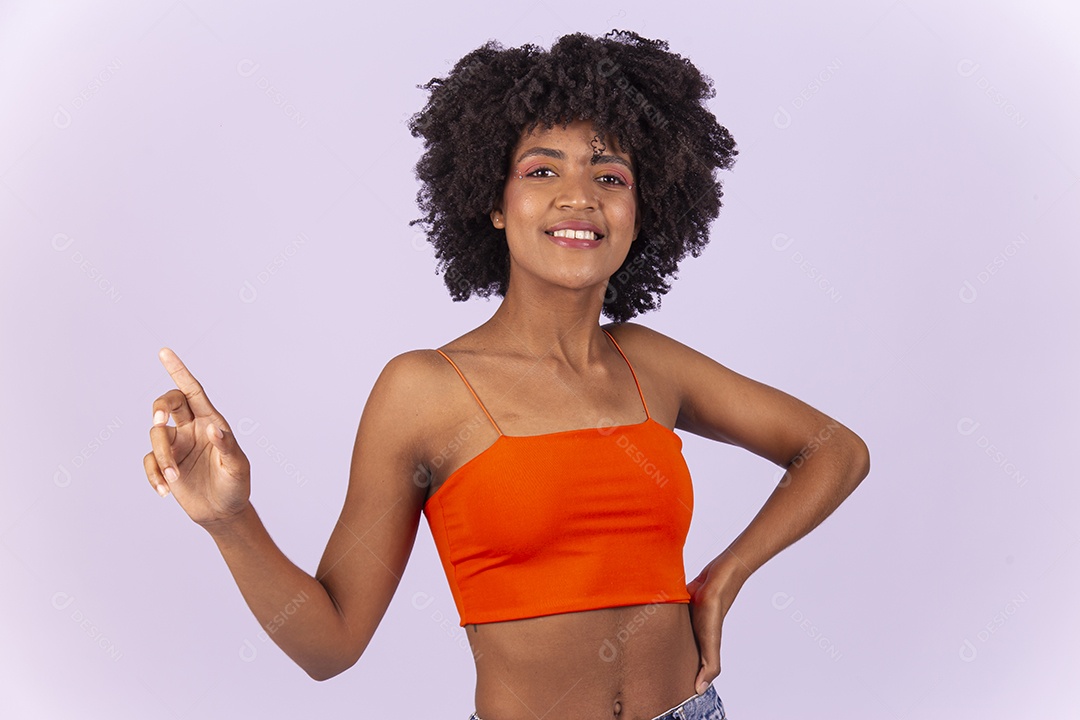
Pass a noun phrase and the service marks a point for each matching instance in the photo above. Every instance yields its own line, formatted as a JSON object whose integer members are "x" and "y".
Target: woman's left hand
{"x": 711, "y": 595}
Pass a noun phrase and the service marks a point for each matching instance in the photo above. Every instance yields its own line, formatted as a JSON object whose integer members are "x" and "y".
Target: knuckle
{"x": 175, "y": 399}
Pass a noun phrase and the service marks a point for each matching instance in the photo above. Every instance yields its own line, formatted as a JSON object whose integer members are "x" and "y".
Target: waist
{"x": 636, "y": 661}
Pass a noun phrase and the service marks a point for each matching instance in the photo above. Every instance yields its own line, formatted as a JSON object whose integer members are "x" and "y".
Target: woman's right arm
{"x": 324, "y": 622}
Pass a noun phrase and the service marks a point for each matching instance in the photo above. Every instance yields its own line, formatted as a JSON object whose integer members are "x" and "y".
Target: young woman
{"x": 541, "y": 446}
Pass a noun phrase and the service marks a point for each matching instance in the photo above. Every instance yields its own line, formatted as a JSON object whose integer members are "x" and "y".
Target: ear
{"x": 497, "y": 218}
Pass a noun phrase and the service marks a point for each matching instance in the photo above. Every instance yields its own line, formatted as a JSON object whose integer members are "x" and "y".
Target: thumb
{"x": 710, "y": 668}
{"x": 222, "y": 438}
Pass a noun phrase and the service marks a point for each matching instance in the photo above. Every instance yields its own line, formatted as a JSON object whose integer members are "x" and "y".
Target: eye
{"x": 613, "y": 179}
{"x": 541, "y": 169}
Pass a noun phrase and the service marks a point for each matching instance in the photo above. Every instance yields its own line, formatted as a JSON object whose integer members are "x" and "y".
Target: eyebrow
{"x": 559, "y": 155}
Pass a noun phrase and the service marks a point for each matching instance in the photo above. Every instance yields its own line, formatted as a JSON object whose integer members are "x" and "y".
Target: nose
{"x": 577, "y": 190}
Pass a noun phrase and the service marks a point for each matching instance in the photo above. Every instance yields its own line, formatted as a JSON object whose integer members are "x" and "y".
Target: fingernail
{"x": 162, "y": 491}
{"x": 171, "y": 474}
{"x": 702, "y": 688}
{"x": 159, "y": 417}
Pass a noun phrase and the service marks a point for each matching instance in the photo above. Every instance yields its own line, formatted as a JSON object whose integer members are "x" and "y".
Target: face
{"x": 569, "y": 207}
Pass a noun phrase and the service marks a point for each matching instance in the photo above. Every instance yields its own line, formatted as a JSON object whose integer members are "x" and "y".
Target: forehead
{"x": 579, "y": 134}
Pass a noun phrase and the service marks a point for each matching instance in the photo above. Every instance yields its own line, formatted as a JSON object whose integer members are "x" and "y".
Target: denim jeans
{"x": 706, "y": 706}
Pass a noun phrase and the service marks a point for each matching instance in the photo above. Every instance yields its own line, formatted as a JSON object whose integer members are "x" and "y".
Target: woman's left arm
{"x": 824, "y": 462}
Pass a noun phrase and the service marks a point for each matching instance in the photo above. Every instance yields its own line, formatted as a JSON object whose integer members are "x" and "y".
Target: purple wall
{"x": 898, "y": 248}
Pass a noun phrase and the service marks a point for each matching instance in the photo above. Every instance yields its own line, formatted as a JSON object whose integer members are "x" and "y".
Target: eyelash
{"x": 608, "y": 175}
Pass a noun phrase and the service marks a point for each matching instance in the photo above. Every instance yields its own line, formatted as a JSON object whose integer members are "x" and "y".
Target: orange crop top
{"x": 566, "y": 521}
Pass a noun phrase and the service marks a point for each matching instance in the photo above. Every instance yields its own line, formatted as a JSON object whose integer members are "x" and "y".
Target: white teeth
{"x": 575, "y": 234}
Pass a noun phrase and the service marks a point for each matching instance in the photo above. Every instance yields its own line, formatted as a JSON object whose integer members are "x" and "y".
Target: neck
{"x": 549, "y": 321}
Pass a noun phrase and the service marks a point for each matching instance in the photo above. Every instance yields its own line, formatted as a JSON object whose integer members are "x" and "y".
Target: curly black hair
{"x": 650, "y": 100}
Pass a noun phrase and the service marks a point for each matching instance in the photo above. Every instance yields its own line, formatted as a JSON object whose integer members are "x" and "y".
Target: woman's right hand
{"x": 213, "y": 476}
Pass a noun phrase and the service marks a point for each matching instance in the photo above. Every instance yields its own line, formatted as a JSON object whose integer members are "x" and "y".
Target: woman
{"x": 540, "y": 445}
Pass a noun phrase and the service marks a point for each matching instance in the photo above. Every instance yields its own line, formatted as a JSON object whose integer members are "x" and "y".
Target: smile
{"x": 575, "y": 234}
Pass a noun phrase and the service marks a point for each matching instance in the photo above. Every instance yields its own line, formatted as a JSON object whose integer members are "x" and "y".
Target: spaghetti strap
{"x": 640, "y": 394}
{"x": 474, "y": 392}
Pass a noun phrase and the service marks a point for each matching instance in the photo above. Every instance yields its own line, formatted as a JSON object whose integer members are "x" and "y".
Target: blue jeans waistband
{"x": 706, "y": 706}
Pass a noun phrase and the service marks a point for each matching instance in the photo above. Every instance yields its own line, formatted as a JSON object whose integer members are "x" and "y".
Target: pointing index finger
{"x": 193, "y": 391}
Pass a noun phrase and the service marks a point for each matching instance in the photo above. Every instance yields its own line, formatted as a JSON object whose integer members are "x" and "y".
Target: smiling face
{"x": 569, "y": 206}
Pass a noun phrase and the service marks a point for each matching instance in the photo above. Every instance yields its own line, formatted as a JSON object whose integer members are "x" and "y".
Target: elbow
{"x": 321, "y": 674}
{"x": 858, "y": 460}
{"x": 332, "y": 667}
{"x": 849, "y": 455}
{"x": 320, "y": 677}
{"x": 346, "y": 652}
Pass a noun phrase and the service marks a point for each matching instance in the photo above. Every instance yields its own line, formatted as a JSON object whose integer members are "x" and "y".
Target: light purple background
{"x": 897, "y": 248}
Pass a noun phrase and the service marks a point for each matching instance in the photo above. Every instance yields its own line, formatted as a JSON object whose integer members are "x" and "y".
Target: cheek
{"x": 520, "y": 205}
{"x": 628, "y": 211}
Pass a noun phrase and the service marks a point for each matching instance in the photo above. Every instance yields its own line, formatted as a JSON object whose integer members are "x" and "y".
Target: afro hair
{"x": 650, "y": 100}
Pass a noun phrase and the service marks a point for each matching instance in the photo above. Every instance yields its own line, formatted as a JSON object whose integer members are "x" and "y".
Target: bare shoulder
{"x": 650, "y": 348}
{"x": 638, "y": 336}
{"x": 409, "y": 391}
{"x": 670, "y": 364}
{"x": 414, "y": 370}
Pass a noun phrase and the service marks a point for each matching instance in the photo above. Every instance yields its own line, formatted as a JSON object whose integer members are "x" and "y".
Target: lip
{"x": 574, "y": 242}
{"x": 576, "y": 225}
